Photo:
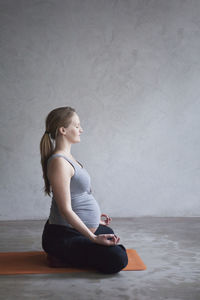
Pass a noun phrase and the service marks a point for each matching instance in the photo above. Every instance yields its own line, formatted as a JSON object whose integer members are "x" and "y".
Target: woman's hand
{"x": 106, "y": 221}
{"x": 106, "y": 239}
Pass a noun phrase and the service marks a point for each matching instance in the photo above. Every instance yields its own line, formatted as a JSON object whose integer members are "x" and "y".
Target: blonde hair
{"x": 58, "y": 117}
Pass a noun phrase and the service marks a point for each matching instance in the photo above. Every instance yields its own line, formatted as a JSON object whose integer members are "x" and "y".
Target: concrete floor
{"x": 170, "y": 247}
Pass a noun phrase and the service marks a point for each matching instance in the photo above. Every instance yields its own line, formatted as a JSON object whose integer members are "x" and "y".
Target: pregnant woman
{"x": 75, "y": 234}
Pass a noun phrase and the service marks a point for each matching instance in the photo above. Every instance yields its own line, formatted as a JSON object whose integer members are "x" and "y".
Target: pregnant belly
{"x": 88, "y": 210}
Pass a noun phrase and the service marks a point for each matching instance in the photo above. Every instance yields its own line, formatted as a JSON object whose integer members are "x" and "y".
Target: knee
{"x": 115, "y": 261}
{"x": 104, "y": 229}
{"x": 109, "y": 230}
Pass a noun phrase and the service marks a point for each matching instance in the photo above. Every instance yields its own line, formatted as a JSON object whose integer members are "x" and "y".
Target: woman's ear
{"x": 62, "y": 130}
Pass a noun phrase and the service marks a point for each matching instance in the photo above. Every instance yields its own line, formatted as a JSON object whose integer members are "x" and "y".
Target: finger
{"x": 114, "y": 239}
{"x": 110, "y": 236}
{"x": 111, "y": 241}
{"x": 103, "y": 215}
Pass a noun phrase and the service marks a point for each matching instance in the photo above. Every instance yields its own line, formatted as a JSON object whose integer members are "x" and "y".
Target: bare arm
{"x": 59, "y": 175}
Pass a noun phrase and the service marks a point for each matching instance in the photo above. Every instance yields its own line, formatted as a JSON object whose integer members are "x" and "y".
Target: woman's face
{"x": 74, "y": 130}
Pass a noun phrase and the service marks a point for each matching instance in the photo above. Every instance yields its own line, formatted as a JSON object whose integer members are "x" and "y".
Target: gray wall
{"x": 131, "y": 69}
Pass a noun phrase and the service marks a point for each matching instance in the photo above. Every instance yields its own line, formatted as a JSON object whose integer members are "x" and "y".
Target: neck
{"x": 63, "y": 146}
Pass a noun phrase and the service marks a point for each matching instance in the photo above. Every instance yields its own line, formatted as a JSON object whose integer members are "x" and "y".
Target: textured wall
{"x": 131, "y": 69}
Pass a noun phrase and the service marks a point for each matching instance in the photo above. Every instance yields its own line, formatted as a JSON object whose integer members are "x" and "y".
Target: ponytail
{"x": 46, "y": 149}
{"x": 58, "y": 117}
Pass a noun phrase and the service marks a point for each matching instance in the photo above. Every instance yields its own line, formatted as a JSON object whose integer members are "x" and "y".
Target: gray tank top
{"x": 82, "y": 201}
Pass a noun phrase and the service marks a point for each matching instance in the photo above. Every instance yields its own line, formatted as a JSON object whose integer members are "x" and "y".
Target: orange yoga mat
{"x": 35, "y": 262}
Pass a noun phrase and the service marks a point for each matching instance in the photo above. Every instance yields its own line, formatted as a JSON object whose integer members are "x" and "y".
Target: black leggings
{"x": 74, "y": 248}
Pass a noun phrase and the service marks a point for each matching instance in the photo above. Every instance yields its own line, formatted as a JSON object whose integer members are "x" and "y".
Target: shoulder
{"x": 58, "y": 165}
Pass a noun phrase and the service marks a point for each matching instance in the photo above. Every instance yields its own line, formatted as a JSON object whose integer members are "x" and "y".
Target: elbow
{"x": 66, "y": 212}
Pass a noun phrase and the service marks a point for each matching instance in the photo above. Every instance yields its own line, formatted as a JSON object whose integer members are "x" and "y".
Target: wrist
{"x": 92, "y": 237}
